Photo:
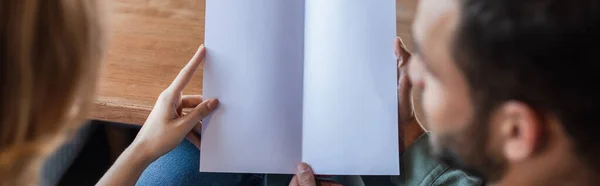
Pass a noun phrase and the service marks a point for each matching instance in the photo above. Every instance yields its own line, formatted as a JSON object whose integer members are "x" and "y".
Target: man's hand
{"x": 408, "y": 126}
{"x": 306, "y": 177}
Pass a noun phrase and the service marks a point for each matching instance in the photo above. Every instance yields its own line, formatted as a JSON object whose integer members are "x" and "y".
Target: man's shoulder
{"x": 420, "y": 168}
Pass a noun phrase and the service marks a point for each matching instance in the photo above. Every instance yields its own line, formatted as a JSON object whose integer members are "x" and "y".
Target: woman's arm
{"x": 164, "y": 129}
{"x": 128, "y": 167}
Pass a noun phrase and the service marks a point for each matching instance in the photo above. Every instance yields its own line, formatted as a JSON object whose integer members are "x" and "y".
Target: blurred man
{"x": 508, "y": 90}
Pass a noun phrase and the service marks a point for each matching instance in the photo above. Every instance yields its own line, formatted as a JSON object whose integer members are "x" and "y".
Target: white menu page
{"x": 301, "y": 81}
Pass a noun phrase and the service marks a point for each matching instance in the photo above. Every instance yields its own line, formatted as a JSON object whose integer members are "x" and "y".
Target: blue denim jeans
{"x": 181, "y": 167}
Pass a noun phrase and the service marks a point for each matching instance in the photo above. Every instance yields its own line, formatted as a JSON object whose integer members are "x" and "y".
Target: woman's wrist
{"x": 140, "y": 153}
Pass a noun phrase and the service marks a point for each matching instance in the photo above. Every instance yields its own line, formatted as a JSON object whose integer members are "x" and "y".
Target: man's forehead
{"x": 433, "y": 31}
{"x": 435, "y": 18}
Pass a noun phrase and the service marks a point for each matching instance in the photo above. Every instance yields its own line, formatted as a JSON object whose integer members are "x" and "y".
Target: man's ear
{"x": 520, "y": 129}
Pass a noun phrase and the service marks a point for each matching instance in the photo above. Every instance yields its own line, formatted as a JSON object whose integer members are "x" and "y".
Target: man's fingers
{"x": 401, "y": 51}
{"x": 404, "y": 84}
{"x": 305, "y": 175}
{"x": 323, "y": 176}
{"x": 202, "y": 110}
{"x": 190, "y": 101}
{"x": 405, "y": 97}
{"x": 294, "y": 181}
{"x": 328, "y": 183}
{"x": 397, "y": 49}
{"x": 184, "y": 76}
{"x": 402, "y": 55}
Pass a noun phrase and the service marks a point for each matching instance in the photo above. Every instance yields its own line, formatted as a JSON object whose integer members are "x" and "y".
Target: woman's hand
{"x": 164, "y": 129}
{"x": 167, "y": 126}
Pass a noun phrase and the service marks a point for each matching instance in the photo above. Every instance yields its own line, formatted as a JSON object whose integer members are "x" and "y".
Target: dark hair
{"x": 544, "y": 53}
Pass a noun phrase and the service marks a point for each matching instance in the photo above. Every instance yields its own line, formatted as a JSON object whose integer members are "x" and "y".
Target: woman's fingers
{"x": 197, "y": 134}
{"x": 192, "y": 124}
{"x": 190, "y": 101}
{"x": 194, "y": 138}
{"x": 184, "y": 76}
{"x": 202, "y": 110}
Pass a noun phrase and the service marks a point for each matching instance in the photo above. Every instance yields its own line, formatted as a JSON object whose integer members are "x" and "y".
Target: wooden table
{"x": 151, "y": 41}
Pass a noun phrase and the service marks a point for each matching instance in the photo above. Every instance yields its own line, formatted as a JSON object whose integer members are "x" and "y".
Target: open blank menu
{"x": 301, "y": 81}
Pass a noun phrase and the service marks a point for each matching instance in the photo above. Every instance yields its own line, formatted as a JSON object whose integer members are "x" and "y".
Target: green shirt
{"x": 418, "y": 168}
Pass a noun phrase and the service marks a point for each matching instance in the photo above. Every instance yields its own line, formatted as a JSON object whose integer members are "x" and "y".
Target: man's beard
{"x": 469, "y": 150}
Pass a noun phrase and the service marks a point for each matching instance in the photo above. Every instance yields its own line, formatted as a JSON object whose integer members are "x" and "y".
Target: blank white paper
{"x": 350, "y": 88}
{"x": 254, "y": 66}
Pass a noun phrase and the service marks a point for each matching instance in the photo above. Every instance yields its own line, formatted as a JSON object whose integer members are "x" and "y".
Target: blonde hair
{"x": 50, "y": 52}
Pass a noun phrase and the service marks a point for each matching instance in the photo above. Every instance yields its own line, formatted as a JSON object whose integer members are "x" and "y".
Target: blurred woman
{"x": 50, "y": 56}
{"x": 50, "y": 53}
